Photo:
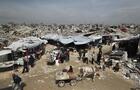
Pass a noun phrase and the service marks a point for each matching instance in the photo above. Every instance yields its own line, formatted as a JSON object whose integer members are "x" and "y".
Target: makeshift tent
{"x": 127, "y": 38}
{"x": 6, "y": 59}
{"x": 93, "y": 37}
{"x": 80, "y": 40}
{"x": 65, "y": 40}
{"x": 28, "y": 42}
{"x": 129, "y": 44}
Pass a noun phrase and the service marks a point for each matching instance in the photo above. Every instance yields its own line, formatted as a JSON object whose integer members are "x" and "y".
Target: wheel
{"x": 61, "y": 83}
{"x": 79, "y": 78}
{"x": 73, "y": 82}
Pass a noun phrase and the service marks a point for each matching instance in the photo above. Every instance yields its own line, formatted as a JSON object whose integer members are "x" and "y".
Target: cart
{"x": 64, "y": 77}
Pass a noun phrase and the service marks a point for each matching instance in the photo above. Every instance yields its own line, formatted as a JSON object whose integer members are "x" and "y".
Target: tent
{"x": 94, "y": 38}
{"x": 6, "y": 59}
{"x": 129, "y": 44}
{"x": 65, "y": 40}
{"x": 127, "y": 38}
{"x": 28, "y": 42}
{"x": 80, "y": 40}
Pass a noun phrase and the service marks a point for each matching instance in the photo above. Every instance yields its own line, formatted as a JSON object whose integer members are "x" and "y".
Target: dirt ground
{"x": 42, "y": 77}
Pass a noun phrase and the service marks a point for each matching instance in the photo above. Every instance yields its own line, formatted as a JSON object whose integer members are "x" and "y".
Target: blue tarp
{"x": 79, "y": 40}
{"x": 66, "y": 40}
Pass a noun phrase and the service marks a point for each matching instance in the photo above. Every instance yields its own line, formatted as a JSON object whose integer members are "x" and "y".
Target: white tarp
{"x": 93, "y": 37}
{"x": 127, "y": 38}
{"x": 51, "y": 36}
{"x": 28, "y": 42}
{"x": 4, "y": 52}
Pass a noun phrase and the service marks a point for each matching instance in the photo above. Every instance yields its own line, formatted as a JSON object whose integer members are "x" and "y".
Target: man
{"x": 17, "y": 80}
{"x": 25, "y": 65}
{"x": 70, "y": 69}
{"x": 31, "y": 60}
{"x": 70, "y": 72}
{"x": 99, "y": 55}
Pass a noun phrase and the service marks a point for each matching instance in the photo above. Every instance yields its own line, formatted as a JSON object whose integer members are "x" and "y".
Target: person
{"x": 70, "y": 69}
{"x": 31, "y": 60}
{"x": 86, "y": 57}
{"x": 116, "y": 68}
{"x": 25, "y": 65}
{"x": 99, "y": 55}
{"x": 70, "y": 72}
{"x": 80, "y": 54}
{"x": 66, "y": 55}
{"x": 16, "y": 80}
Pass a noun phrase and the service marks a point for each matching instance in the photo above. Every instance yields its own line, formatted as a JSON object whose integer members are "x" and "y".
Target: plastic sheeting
{"x": 127, "y": 38}
{"x": 4, "y": 52}
{"x": 66, "y": 40}
{"x": 28, "y": 42}
{"x": 51, "y": 36}
{"x": 95, "y": 37}
{"x": 79, "y": 40}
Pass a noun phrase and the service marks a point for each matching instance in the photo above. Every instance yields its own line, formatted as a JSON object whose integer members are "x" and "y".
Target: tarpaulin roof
{"x": 93, "y": 37}
{"x": 127, "y": 38}
{"x": 79, "y": 40}
{"x": 4, "y": 52}
{"x": 65, "y": 40}
{"x": 28, "y": 42}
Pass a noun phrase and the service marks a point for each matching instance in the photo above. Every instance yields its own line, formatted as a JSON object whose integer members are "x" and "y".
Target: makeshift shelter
{"x": 81, "y": 40}
{"x": 65, "y": 40}
{"x": 129, "y": 44}
{"x": 29, "y": 45}
{"x": 6, "y": 59}
{"x": 29, "y": 42}
{"x": 51, "y": 38}
{"x": 96, "y": 39}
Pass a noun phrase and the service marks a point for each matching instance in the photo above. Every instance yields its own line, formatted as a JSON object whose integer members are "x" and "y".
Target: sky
{"x": 70, "y": 11}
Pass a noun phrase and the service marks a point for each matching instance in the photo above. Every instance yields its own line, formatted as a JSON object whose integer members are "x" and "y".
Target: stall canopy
{"x": 4, "y": 52}
{"x": 77, "y": 40}
{"x": 28, "y": 42}
{"x": 66, "y": 40}
{"x": 80, "y": 40}
{"x": 94, "y": 38}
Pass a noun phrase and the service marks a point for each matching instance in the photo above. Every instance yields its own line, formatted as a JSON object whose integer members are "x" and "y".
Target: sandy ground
{"x": 42, "y": 77}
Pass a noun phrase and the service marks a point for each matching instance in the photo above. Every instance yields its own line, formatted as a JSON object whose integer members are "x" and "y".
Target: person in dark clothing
{"x": 70, "y": 69}
{"x": 99, "y": 55}
{"x": 25, "y": 66}
{"x": 17, "y": 80}
{"x": 116, "y": 68}
{"x": 66, "y": 55}
{"x": 80, "y": 54}
{"x": 31, "y": 60}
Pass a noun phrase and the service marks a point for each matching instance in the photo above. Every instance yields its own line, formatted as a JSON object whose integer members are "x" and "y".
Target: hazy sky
{"x": 70, "y": 11}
